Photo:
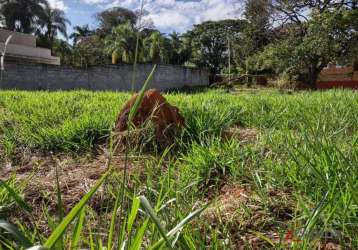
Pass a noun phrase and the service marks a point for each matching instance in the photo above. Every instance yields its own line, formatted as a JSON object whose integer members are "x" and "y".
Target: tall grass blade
{"x": 139, "y": 99}
{"x": 16, "y": 197}
{"x": 122, "y": 233}
{"x": 59, "y": 244}
{"x": 113, "y": 220}
{"x": 132, "y": 114}
{"x": 148, "y": 208}
{"x": 138, "y": 239}
{"x": 59, "y": 197}
{"x": 137, "y": 46}
{"x": 5, "y": 243}
{"x": 133, "y": 214}
{"x": 92, "y": 245}
{"x": 58, "y": 232}
{"x": 78, "y": 229}
{"x": 19, "y": 237}
{"x": 314, "y": 216}
{"x": 179, "y": 226}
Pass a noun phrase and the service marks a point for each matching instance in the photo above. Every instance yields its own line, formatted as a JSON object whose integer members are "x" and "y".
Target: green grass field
{"x": 291, "y": 183}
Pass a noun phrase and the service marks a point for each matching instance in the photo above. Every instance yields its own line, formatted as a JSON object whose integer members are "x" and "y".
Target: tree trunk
{"x": 313, "y": 73}
{"x": 312, "y": 79}
{"x": 114, "y": 58}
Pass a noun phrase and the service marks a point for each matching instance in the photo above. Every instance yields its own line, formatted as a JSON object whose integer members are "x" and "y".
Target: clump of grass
{"x": 209, "y": 166}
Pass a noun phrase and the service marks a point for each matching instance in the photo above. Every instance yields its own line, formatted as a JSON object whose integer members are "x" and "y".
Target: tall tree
{"x": 257, "y": 33}
{"x": 157, "y": 49}
{"x": 209, "y": 42}
{"x": 54, "y": 23}
{"x": 176, "y": 45}
{"x": 297, "y": 11}
{"x": 121, "y": 43}
{"x": 110, "y": 18}
{"x": 327, "y": 36}
{"x": 23, "y": 15}
{"x": 64, "y": 50}
{"x": 90, "y": 51}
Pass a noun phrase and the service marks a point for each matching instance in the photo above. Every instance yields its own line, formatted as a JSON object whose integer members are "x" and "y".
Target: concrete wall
{"x": 18, "y": 38}
{"x": 22, "y": 48}
{"x": 50, "y": 77}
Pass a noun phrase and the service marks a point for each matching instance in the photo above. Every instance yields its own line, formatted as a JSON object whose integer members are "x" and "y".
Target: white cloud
{"x": 58, "y": 4}
{"x": 178, "y": 15}
{"x": 95, "y": 1}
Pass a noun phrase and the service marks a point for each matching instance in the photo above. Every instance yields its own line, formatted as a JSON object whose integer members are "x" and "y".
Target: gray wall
{"x": 49, "y": 77}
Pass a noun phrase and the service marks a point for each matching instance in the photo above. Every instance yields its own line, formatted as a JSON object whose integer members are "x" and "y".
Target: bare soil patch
{"x": 76, "y": 177}
{"x": 244, "y": 135}
{"x": 247, "y": 215}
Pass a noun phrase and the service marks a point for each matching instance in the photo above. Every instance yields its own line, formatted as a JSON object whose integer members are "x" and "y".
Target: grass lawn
{"x": 277, "y": 171}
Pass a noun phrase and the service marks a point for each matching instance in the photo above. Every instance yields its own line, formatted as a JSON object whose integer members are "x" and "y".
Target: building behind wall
{"x": 339, "y": 76}
{"x": 22, "y": 49}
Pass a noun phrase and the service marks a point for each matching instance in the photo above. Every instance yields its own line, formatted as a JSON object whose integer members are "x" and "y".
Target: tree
{"x": 23, "y": 15}
{"x": 178, "y": 53}
{"x": 157, "y": 47}
{"x": 328, "y": 36}
{"x": 90, "y": 51}
{"x": 111, "y": 18}
{"x": 256, "y": 34}
{"x": 209, "y": 42}
{"x": 121, "y": 43}
{"x": 63, "y": 50}
{"x": 54, "y": 23}
{"x": 80, "y": 32}
{"x": 297, "y": 11}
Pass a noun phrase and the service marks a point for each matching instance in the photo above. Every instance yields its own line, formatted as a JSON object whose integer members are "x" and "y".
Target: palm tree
{"x": 176, "y": 47}
{"x": 55, "y": 23}
{"x": 50, "y": 26}
{"x": 64, "y": 50}
{"x": 23, "y": 15}
{"x": 121, "y": 44}
{"x": 156, "y": 47}
{"x": 79, "y": 33}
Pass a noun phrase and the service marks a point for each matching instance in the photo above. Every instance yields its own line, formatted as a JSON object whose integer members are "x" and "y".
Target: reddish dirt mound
{"x": 165, "y": 118}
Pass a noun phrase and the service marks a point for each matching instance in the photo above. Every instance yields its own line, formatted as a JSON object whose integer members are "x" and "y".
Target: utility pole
{"x": 137, "y": 46}
{"x": 229, "y": 53}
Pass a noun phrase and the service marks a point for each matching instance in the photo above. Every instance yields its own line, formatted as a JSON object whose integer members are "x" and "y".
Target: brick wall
{"x": 117, "y": 78}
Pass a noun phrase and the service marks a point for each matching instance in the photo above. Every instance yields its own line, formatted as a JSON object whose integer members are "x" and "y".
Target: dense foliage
{"x": 310, "y": 35}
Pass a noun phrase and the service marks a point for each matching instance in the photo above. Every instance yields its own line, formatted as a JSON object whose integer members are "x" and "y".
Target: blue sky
{"x": 166, "y": 15}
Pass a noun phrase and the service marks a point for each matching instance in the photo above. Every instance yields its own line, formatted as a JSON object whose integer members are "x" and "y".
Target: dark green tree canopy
{"x": 110, "y": 18}
{"x": 209, "y": 42}
{"x": 54, "y": 23}
{"x": 23, "y": 15}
